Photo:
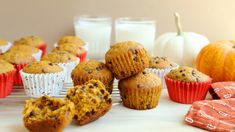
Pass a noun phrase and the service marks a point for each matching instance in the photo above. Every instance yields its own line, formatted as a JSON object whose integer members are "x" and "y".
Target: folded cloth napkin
{"x": 213, "y": 115}
{"x": 222, "y": 90}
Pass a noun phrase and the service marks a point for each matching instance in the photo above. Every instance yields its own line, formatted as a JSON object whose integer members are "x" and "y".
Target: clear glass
{"x": 141, "y": 30}
{"x": 96, "y": 31}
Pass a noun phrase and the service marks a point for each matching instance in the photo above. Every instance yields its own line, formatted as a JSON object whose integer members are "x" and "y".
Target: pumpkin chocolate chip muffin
{"x": 59, "y": 57}
{"x": 186, "y": 85}
{"x": 47, "y": 114}
{"x": 71, "y": 48}
{"x": 43, "y": 78}
{"x": 91, "y": 101}
{"x": 126, "y": 59}
{"x": 7, "y": 73}
{"x": 30, "y": 40}
{"x": 187, "y": 74}
{"x": 93, "y": 69}
{"x": 141, "y": 91}
{"x": 63, "y": 59}
{"x": 42, "y": 67}
{"x": 71, "y": 39}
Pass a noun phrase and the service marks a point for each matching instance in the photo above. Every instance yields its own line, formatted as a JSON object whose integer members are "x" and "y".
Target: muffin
{"x": 47, "y": 114}
{"x": 126, "y": 59}
{"x": 71, "y": 39}
{"x": 91, "y": 101}
{"x": 19, "y": 60}
{"x": 43, "y": 78}
{"x": 93, "y": 69}
{"x": 4, "y": 46}
{"x": 36, "y": 53}
{"x": 7, "y": 73}
{"x": 141, "y": 91}
{"x": 32, "y": 41}
{"x": 63, "y": 59}
{"x": 160, "y": 66}
{"x": 72, "y": 48}
{"x": 187, "y": 85}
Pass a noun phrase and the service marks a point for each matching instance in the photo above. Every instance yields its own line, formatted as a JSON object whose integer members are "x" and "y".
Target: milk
{"x": 142, "y": 32}
{"x": 97, "y": 33}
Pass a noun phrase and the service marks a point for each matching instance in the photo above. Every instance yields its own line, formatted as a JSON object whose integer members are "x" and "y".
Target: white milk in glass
{"x": 139, "y": 30}
{"x": 96, "y": 31}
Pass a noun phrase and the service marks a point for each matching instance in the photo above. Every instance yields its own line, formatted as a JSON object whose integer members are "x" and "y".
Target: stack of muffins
{"x": 138, "y": 89}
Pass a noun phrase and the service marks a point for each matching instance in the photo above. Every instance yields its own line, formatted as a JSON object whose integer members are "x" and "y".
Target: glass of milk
{"x": 136, "y": 29}
{"x": 96, "y": 31}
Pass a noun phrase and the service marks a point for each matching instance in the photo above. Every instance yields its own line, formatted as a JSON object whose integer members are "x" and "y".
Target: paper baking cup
{"x": 187, "y": 92}
{"x": 43, "y": 48}
{"x": 36, "y": 85}
{"x": 37, "y": 55}
{"x": 68, "y": 68}
{"x": 82, "y": 56}
{"x": 160, "y": 73}
{"x": 6, "y": 83}
{"x": 6, "y": 47}
{"x": 17, "y": 78}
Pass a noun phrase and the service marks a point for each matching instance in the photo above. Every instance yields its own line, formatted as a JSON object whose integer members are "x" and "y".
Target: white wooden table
{"x": 168, "y": 116}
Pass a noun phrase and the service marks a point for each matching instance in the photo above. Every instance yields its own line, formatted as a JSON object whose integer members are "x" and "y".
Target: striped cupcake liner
{"x": 187, "y": 92}
{"x": 36, "y": 85}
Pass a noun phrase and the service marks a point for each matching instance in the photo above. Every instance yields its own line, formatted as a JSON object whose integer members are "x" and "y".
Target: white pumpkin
{"x": 180, "y": 47}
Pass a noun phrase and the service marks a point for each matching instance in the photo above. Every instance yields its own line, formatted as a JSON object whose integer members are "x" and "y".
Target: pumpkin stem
{"x": 178, "y": 23}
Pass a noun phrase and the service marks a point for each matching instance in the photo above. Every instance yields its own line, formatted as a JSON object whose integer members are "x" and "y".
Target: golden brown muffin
{"x": 141, "y": 91}
{"x": 91, "y": 101}
{"x": 30, "y": 40}
{"x": 125, "y": 59}
{"x": 71, "y": 48}
{"x": 24, "y": 48}
{"x": 187, "y": 74}
{"x": 3, "y": 42}
{"x": 5, "y": 67}
{"x": 41, "y": 67}
{"x": 46, "y": 114}
{"x": 93, "y": 69}
{"x": 160, "y": 63}
{"x": 16, "y": 57}
{"x": 71, "y": 39}
{"x": 59, "y": 57}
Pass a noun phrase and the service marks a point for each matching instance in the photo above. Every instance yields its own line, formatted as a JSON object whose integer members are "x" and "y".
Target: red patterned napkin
{"x": 222, "y": 90}
{"x": 213, "y": 115}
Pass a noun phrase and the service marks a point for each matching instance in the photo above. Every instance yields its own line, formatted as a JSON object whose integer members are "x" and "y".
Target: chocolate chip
{"x": 124, "y": 97}
{"x": 156, "y": 62}
{"x": 94, "y": 101}
{"x": 32, "y": 114}
{"x": 89, "y": 72}
{"x": 109, "y": 100}
{"x": 95, "y": 84}
{"x": 135, "y": 59}
{"x": 135, "y": 51}
{"x": 181, "y": 70}
{"x": 51, "y": 64}
{"x": 139, "y": 85}
{"x": 110, "y": 62}
{"x": 75, "y": 117}
{"x": 144, "y": 72}
{"x": 92, "y": 111}
{"x": 88, "y": 113}
{"x": 132, "y": 72}
{"x": 69, "y": 58}
{"x": 106, "y": 97}
{"x": 102, "y": 91}
{"x": 122, "y": 73}
{"x": 183, "y": 75}
{"x": 91, "y": 86}
{"x": 43, "y": 71}
{"x": 142, "y": 61}
{"x": 67, "y": 96}
{"x": 148, "y": 106}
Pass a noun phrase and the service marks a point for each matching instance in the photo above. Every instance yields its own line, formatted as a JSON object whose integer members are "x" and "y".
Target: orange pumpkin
{"x": 218, "y": 60}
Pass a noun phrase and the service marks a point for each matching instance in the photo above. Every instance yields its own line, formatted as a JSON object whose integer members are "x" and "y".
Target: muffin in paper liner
{"x": 17, "y": 78}
{"x": 6, "y": 47}
{"x": 160, "y": 73}
{"x": 49, "y": 84}
{"x": 43, "y": 48}
{"x": 6, "y": 83}
{"x": 187, "y": 92}
{"x": 68, "y": 67}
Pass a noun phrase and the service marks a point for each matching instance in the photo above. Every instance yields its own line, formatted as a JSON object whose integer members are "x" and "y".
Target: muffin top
{"x": 30, "y": 40}
{"x": 160, "y": 63}
{"x": 187, "y": 74}
{"x": 70, "y": 47}
{"x": 5, "y": 67}
{"x": 24, "y": 48}
{"x": 59, "y": 57}
{"x": 92, "y": 68}
{"x": 3, "y": 42}
{"x": 71, "y": 39}
{"x": 123, "y": 47}
{"x": 47, "y": 108}
{"x": 40, "y": 67}
{"x": 89, "y": 99}
{"x": 142, "y": 80}
{"x": 16, "y": 57}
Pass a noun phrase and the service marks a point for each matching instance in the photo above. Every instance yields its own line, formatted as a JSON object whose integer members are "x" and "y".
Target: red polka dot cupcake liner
{"x": 6, "y": 83}
{"x": 43, "y": 48}
{"x": 17, "y": 78}
{"x": 187, "y": 92}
